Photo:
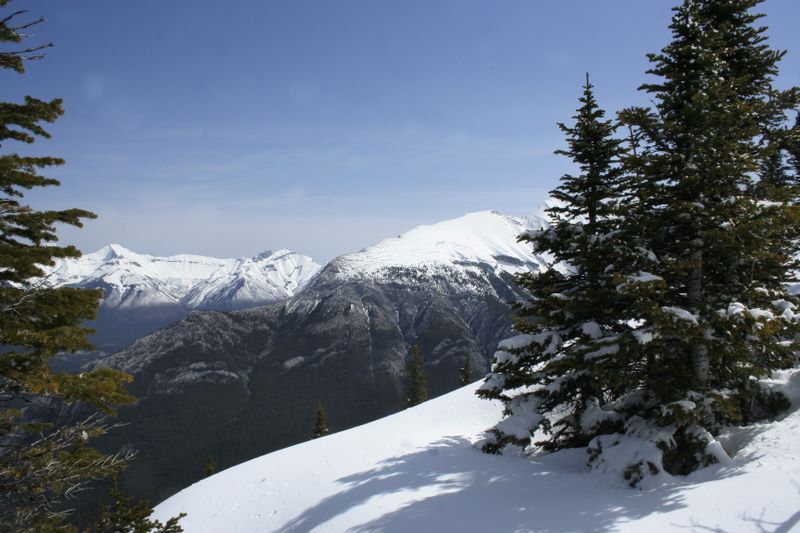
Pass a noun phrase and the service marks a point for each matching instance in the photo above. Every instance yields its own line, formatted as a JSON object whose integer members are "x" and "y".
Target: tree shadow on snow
{"x": 759, "y": 523}
{"x": 451, "y": 486}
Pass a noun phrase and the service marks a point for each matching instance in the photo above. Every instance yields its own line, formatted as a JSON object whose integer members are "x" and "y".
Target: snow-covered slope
{"x": 461, "y": 244}
{"x": 132, "y": 280}
{"x": 419, "y": 471}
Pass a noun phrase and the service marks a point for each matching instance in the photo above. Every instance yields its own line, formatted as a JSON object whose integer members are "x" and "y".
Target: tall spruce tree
{"x": 698, "y": 300}
{"x": 416, "y": 378}
{"x": 566, "y": 359}
{"x": 41, "y": 465}
{"x": 723, "y": 318}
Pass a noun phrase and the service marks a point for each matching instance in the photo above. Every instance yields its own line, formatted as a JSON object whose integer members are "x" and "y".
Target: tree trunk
{"x": 698, "y": 352}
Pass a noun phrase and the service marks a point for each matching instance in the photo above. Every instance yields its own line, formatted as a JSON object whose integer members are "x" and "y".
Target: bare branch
{"x": 28, "y": 25}
{"x": 31, "y": 49}
{"x": 12, "y": 15}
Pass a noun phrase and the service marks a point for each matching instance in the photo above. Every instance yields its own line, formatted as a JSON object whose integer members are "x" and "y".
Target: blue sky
{"x": 229, "y": 128}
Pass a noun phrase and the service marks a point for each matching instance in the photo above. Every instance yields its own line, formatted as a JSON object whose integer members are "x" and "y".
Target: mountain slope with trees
{"x": 237, "y": 385}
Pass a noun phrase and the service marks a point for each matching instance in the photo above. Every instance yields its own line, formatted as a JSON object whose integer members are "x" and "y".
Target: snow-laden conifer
{"x": 568, "y": 360}
{"x": 688, "y": 305}
{"x": 723, "y": 319}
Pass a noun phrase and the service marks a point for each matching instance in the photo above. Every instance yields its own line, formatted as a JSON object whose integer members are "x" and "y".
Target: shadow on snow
{"x": 452, "y": 486}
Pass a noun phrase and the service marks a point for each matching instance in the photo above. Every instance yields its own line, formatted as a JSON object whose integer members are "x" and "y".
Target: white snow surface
{"x": 485, "y": 237}
{"x": 419, "y": 471}
{"x": 130, "y": 279}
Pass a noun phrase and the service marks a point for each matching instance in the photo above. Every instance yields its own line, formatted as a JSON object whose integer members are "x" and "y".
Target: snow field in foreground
{"x": 418, "y": 471}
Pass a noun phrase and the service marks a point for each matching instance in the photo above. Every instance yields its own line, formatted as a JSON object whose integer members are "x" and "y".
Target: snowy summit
{"x": 485, "y": 237}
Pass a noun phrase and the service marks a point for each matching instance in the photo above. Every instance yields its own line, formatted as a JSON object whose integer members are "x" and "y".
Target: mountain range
{"x": 232, "y": 386}
{"x": 143, "y": 292}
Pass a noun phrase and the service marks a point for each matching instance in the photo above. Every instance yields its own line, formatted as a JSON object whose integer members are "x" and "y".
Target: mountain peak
{"x": 130, "y": 279}
{"x": 486, "y": 237}
{"x": 111, "y": 251}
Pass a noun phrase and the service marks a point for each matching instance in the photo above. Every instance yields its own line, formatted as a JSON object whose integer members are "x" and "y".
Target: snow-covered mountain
{"x": 131, "y": 280}
{"x": 257, "y": 375}
{"x": 142, "y": 293}
{"x": 466, "y": 260}
{"x": 465, "y": 244}
{"x": 419, "y": 471}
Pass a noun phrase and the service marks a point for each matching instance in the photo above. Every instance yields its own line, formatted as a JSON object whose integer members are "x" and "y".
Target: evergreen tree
{"x": 567, "y": 358}
{"x": 693, "y": 310}
{"x": 321, "y": 423}
{"x": 41, "y": 465}
{"x": 127, "y": 515}
{"x": 793, "y": 148}
{"x": 417, "y": 380}
{"x": 210, "y": 467}
{"x": 465, "y": 373}
{"x": 723, "y": 318}
{"x": 777, "y": 177}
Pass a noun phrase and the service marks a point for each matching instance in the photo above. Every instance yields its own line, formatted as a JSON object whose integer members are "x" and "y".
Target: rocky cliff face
{"x": 236, "y": 385}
